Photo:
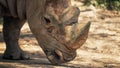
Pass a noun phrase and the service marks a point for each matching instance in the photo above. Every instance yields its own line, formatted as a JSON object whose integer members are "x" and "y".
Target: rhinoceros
{"x": 54, "y": 24}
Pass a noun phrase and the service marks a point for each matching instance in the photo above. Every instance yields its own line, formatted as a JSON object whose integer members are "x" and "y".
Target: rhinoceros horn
{"x": 79, "y": 35}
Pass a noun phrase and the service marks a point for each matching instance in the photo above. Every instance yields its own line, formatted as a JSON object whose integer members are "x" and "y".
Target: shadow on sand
{"x": 35, "y": 63}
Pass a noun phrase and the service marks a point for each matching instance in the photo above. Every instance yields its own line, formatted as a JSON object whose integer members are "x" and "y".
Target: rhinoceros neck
{"x": 3, "y": 3}
{"x": 14, "y": 8}
{"x": 3, "y": 8}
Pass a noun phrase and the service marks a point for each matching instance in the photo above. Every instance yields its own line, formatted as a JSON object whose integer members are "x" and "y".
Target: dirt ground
{"x": 101, "y": 50}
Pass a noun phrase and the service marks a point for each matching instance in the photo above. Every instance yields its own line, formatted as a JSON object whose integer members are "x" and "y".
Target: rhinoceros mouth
{"x": 58, "y": 57}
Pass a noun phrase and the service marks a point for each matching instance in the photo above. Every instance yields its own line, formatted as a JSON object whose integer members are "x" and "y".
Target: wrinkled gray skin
{"x": 39, "y": 14}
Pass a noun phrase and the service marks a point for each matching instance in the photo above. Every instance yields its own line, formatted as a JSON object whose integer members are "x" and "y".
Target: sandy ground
{"x": 101, "y": 50}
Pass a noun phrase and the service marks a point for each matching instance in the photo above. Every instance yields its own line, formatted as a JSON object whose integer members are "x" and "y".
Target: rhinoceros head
{"x": 60, "y": 35}
{"x": 65, "y": 33}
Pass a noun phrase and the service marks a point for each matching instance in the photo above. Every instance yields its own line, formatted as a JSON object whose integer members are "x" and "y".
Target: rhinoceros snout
{"x": 58, "y": 57}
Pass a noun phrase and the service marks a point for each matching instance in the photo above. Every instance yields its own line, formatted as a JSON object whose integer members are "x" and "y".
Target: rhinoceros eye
{"x": 47, "y": 20}
{"x": 49, "y": 26}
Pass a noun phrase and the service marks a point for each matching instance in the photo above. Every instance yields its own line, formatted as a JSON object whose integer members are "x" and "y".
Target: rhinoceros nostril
{"x": 59, "y": 54}
{"x": 51, "y": 57}
{"x": 56, "y": 57}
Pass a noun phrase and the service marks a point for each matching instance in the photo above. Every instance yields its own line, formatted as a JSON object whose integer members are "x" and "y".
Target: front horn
{"x": 76, "y": 33}
{"x": 80, "y": 34}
